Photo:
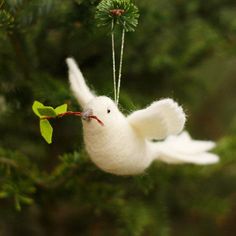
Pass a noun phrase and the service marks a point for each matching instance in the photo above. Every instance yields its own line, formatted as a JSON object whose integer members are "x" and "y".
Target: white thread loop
{"x": 113, "y": 58}
{"x": 120, "y": 66}
{"x": 116, "y": 84}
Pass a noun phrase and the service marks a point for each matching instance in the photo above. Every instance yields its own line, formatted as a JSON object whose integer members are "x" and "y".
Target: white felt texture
{"x": 123, "y": 146}
{"x": 77, "y": 83}
{"x": 160, "y": 119}
{"x": 181, "y": 148}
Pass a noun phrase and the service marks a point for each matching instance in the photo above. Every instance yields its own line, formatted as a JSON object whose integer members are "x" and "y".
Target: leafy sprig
{"x": 46, "y": 113}
{"x": 43, "y": 112}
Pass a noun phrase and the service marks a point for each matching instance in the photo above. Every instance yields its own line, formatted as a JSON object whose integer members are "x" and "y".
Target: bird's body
{"x": 117, "y": 149}
{"x": 124, "y": 145}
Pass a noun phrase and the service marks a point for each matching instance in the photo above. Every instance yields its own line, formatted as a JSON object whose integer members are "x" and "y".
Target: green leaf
{"x": 47, "y": 111}
{"x": 61, "y": 109}
{"x": 36, "y": 106}
{"x": 46, "y": 130}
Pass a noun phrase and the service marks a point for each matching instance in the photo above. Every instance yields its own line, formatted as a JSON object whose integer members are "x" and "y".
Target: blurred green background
{"x": 183, "y": 49}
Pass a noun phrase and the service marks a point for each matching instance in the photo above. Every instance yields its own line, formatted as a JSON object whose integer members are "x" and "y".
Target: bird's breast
{"x": 119, "y": 150}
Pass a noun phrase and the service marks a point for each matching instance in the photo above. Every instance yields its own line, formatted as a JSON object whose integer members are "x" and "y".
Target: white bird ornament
{"x": 124, "y": 144}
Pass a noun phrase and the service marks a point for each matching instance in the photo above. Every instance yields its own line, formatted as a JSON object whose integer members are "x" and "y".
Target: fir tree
{"x": 182, "y": 49}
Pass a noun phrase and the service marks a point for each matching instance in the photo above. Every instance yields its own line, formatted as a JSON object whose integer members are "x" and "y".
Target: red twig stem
{"x": 74, "y": 113}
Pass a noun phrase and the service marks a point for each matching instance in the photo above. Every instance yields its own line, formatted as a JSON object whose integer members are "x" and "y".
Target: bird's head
{"x": 105, "y": 110}
{"x": 96, "y": 109}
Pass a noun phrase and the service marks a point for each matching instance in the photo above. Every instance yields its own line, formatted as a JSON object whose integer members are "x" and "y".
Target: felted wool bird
{"x": 124, "y": 144}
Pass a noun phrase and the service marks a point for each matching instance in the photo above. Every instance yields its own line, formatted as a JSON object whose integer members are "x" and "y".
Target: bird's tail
{"x": 182, "y": 149}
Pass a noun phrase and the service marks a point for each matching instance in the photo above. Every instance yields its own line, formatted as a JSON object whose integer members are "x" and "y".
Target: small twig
{"x": 73, "y": 113}
{"x": 68, "y": 113}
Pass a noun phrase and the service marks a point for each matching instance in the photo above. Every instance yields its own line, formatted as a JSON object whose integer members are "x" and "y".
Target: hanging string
{"x": 113, "y": 58}
{"x": 124, "y": 14}
{"x": 120, "y": 66}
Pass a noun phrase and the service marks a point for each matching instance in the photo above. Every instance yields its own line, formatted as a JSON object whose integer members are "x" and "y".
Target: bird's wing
{"x": 183, "y": 149}
{"x": 77, "y": 83}
{"x": 160, "y": 119}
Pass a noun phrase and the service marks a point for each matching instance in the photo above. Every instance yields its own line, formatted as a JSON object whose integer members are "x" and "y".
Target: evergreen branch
{"x": 6, "y": 19}
{"x": 121, "y": 12}
{"x": 63, "y": 178}
{"x": 9, "y": 162}
{"x": 62, "y": 172}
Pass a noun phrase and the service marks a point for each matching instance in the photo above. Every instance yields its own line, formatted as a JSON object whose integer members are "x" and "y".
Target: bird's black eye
{"x": 108, "y": 110}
